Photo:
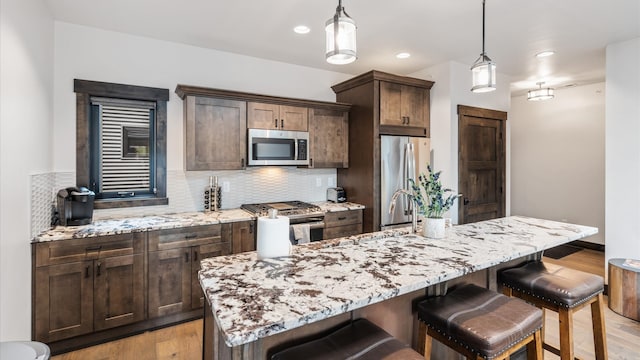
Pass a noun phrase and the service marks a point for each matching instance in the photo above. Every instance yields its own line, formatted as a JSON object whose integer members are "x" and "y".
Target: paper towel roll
{"x": 273, "y": 237}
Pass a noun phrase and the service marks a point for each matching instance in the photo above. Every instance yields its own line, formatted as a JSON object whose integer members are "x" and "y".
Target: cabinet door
{"x": 244, "y": 236}
{"x": 215, "y": 134}
{"x": 64, "y": 301}
{"x": 329, "y": 139}
{"x": 119, "y": 291}
{"x": 294, "y": 118}
{"x": 198, "y": 253}
{"x": 391, "y": 104}
{"x": 169, "y": 281}
{"x": 263, "y": 116}
{"x": 413, "y": 105}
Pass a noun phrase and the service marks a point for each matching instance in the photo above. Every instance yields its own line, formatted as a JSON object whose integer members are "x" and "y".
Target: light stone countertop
{"x": 160, "y": 222}
{"x": 253, "y": 299}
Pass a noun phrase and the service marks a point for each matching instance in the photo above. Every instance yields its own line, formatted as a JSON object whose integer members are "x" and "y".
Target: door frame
{"x": 501, "y": 116}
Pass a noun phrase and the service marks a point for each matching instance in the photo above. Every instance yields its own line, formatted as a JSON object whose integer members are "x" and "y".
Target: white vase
{"x": 433, "y": 228}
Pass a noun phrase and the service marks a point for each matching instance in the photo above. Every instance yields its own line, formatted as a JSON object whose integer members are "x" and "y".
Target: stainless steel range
{"x": 298, "y": 212}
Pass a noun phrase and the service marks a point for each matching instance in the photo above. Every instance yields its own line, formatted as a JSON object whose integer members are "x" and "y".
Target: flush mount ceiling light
{"x": 341, "y": 37}
{"x": 540, "y": 93}
{"x": 483, "y": 70}
{"x": 403, "y": 55}
{"x": 545, "y": 54}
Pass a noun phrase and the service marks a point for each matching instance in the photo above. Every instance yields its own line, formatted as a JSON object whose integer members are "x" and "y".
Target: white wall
{"x": 93, "y": 54}
{"x": 622, "y": 204}
{"x": 452, "y": 88}
{"x": 557, "y": 157}
{"x": 26, "y": 73}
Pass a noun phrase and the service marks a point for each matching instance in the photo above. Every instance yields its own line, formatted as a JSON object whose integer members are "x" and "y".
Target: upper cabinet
{"x": 216, "y": 122}
{"x": 404, "y": 105}
{"x": 277, "y": 117}
{"x": 328, "y": 138}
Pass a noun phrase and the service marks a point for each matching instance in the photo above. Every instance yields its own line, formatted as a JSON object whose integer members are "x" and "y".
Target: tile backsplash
{"x": 185, "y": 191}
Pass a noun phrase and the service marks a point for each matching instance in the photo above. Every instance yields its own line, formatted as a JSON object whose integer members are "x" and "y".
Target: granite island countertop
{"x": 161, "y": 222}
{"x": 253, "y": 299}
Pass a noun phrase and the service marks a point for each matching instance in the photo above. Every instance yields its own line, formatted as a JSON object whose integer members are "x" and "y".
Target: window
{"x": 121, "y": 143}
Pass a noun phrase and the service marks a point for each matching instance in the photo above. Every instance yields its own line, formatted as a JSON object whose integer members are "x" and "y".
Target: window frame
{"x": 85, "y": 89}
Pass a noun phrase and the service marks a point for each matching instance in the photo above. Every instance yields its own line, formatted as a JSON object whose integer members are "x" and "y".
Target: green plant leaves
{"x": 429, "y": 196}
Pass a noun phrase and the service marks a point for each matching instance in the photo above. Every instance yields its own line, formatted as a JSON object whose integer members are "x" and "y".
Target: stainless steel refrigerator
{"x": 401, "y": 157}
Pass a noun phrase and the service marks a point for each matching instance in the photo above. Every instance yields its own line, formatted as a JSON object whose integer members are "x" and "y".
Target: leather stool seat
{"x": 360, "y": 340}
{"x": 552, "y": 283}
{"x": 481, "y": 321}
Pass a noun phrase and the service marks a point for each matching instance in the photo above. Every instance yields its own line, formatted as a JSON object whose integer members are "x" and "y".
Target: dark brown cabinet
{"x": 215, "y": 133}
{"x": 244, "y": 236}
{"x": 174, "y": 262}
{"x": 82, "y": 286}
{"x": 276, "y": 117}
{"x": 342, "y": 223}
{"x": 404, "y": 106}
{"x": 329, "y": 138}
{"x": 379, "y": 103}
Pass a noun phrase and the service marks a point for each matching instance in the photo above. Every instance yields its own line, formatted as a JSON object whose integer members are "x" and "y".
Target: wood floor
{"x": 184, "y": 341}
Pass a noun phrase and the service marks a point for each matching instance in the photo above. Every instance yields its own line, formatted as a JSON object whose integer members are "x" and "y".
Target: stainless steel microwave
{"x": 278, "y": 147}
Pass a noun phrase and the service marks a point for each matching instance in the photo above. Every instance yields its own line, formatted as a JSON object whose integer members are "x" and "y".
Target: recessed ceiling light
{"x": 545, "y": 53}
{"x": 301, "y": 29}
{"x": 403, "y": 55}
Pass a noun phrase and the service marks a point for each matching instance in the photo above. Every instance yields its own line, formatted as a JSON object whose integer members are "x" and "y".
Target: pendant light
{"x": 483, "y": 70}
{"x": 540, "y": 93}
{"x": 341, "y": 37}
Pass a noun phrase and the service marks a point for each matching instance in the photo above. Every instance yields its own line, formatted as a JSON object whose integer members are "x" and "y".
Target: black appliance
{"x": 75, "y": 206}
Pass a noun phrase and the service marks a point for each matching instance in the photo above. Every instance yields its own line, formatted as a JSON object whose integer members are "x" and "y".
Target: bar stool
{"x": 360, "y": 340}
{"x": 480, "y": 324}
{"x": 564, "y": 291}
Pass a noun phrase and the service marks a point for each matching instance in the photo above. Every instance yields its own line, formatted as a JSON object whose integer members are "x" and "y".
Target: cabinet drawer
{"x": 341, "y": 218}
{"x": 342, "y": 231}
{"x": 183, "y": 237}
{"x": 74, "y": 250}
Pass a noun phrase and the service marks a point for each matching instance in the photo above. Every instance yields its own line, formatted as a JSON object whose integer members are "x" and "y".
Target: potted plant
{"x": 432, "y": 201}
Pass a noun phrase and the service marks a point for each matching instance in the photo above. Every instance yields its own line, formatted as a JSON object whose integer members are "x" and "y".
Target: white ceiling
{"x": 432, "y": 31}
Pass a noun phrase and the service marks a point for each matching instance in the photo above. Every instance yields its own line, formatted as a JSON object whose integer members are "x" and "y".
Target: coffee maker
{"x": 75, "y": 206}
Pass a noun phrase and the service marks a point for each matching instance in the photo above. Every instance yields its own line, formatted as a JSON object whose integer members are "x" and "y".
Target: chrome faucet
{"x": 414, "y": 212}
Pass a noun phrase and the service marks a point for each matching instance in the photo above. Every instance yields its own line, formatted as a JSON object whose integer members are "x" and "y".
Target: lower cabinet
{"x": 104, "y": 289}
{"x": 342, "y": 223}
{"x": 174, "y": 262}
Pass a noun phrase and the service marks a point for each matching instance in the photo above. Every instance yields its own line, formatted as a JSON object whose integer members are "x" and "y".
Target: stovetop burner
{"x": 285, "y": 208}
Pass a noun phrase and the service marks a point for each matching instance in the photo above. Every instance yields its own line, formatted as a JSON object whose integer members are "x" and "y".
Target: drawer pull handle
{"x": 342, "y": 218}
{"x": 86, "y": 272}
{"x": 195, "y": 256}
{"x": 191, "y": 236}
{"x": 186, "y": 257}
{"x": 276, "y": 123}
{"x": 93, "y": 248}
{"x": 98, "y": 273}
{"x": 281, "y": 123}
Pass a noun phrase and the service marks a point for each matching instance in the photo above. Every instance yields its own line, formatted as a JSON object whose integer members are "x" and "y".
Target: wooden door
{"x": 294, "y": 118}
{"x": 391, "y": 104}
{"x": 481, "y": 164}
{"x": 119, "y": 291}
{"x": 64, "y": 306}
{"x": 169, "y": 281}
{"x": 215, "y": 134}
{"x": 263, "y": 116}
{"x": 328, "y": 139}
{"x": 199, "y": 253}
{"x": 244, "y": 237}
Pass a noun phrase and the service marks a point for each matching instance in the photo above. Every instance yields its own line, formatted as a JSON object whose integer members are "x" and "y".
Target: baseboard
{"x": 587, "y": 245}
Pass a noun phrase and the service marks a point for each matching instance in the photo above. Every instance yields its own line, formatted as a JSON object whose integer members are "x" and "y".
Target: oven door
{"x": 316, "y": 227}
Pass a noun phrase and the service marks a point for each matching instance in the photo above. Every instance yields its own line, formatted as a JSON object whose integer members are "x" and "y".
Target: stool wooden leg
{"x": 424, "y": 341}
{"x": 534, "y": 348}
{"x": 566, "y": 333}
{"x": 544, "y": 316}
{"x": 599, "y": 334}
{"x": 507, "y": 291}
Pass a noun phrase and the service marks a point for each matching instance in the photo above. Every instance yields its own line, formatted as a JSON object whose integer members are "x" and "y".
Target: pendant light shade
{"x": 341, "y": 38}
{"x": 483, "y": 70}
{"x": 540, "y": 93}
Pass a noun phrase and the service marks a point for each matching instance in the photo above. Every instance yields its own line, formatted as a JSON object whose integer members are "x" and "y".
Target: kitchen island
{"x": 255, "y": 306}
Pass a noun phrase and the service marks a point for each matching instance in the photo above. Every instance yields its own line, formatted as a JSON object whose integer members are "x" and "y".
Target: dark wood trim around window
{"x": 84, "y": 90}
